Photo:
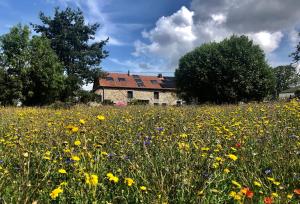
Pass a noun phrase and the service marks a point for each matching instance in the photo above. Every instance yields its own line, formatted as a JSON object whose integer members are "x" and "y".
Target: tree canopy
{"x": 296, "y": 54}
{"x": 286, "y": 77}
{"x": 227, "y": 72}
{"x": 74, "y": 43}
{"x": 30, "y": 71}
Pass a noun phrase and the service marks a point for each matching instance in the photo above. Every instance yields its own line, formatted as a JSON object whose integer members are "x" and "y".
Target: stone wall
{"x": 286, "y": 95}
{"x": 116, "y": 95}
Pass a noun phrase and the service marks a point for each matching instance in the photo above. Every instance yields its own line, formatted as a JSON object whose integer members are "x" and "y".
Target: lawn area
{"x": 205, "y": 154}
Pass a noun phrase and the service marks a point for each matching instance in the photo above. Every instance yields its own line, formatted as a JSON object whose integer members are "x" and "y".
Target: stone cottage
{"x": 126, "y": 88}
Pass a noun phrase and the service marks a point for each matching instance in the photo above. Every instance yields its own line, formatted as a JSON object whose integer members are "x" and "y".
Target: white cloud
{"x": 207, "y": 21}
{"x": 137, "y": 66}
{"x": 172, "y": 36}
{"x": 294, "y": 37}
{"x": 268, "y": 41}
{"x": 219, "y": 18}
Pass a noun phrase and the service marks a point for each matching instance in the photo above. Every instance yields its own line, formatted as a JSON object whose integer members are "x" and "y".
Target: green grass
{"x": 180, "y": 154}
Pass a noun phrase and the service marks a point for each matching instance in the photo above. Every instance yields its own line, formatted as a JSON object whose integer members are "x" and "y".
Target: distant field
{"x": 206, "y": 154}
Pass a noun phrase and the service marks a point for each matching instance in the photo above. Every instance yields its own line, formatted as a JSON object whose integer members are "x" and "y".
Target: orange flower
{"x": 249, "y": 194}
{"x": 297, "y": 191}
{"x": 268, "y": 200}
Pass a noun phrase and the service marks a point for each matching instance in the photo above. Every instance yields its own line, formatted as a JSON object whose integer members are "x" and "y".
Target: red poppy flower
{"x": 249, "y": 194}
{"x": 238, "y": 145}
{"x": 297, "y": 191}
{"x": 268, "y": 200}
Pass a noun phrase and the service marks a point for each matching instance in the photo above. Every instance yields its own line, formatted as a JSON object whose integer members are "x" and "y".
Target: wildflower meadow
{"x": 142, "y": 154}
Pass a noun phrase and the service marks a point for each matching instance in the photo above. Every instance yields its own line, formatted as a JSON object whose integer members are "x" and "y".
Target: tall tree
{"x": 286, "y": 77}
{"x": 296, "y": 54}
{"x": 44, "y": 77}
{"x": 30, "y": 71}
{"x": 14, "y": 56}
{"x": 72, "y": 40}
{"x": 226, "y": 72}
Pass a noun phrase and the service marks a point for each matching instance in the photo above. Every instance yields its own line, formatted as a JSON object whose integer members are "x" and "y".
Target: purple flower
{"x": 147, "y": 142}
{"x": 111, "y": 155}
{"x": 160, "y": 129}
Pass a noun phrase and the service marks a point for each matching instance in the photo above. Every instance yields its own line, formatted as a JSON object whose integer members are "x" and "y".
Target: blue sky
{"x": 150, "y": 36}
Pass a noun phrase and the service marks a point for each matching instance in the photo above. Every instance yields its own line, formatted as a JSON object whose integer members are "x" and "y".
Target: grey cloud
{"x": 204, "y": 8}
{"x": 257, "y": 15}
{"x": 250, "y": 15}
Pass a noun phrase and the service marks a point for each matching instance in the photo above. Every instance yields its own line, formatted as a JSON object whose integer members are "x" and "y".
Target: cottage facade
{"x": 126, "y": 88}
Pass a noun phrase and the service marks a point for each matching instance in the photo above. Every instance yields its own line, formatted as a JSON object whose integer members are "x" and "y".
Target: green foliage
{"x": 30, "y": 71}
{"x": 45, "y": 76}
{"x": 286, "y": 76}
{"x": 87, "y": 96}
{"x": 186, "y": 155}
{"x": 296, "y": 54}
{"x": 72, "y": 40}
{"x": 297, "y": 93}
{"x": 227, "y": 72}
{"x": 14, "y": 57}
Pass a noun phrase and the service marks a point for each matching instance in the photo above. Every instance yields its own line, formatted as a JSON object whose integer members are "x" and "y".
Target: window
{"x": 121, "y": 79}
{"x": 178, "y": 103}
{"x": 156, "y": 104}
{"x": 164, "y": 104}
{"x": 130, "y": 94}
{"x": 109, "y": 79}
{"x": 154, "y": 82}
{"x": 156, "y": 95}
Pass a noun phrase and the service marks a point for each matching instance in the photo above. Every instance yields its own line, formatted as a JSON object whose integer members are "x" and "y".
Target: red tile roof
{"x": 163, "y": 83}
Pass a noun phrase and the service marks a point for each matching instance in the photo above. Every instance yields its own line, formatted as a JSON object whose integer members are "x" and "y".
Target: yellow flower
{"x": 75, "y": 158}
{"x": 271, "y": 179}
{"x": 112, "y": 178}
{"x": 236, "y": 183}
{"x": 226, "y": 171}
{"x": 205, "y": 148}
{"x": 232, "y": 194}
{"x": 77, "y": 143}
{"x": 233, "y": 157}
{"x": 276, "y": 183}
{"x": 81, "y": 121}
{"x": 62, "y": 171}
{"x": 275, "y": 195}
{"x": 129, "y": 181}
{"x": 237, "y": 197}
{"x": 74, "y": 129}
{"x": 215, "y": 165}
{"x": 143, "y": 188}
{"x": 101, "y": 117}
{"x": 64, "y": 183}
{"x": 55, "y": 193}
{"x": 183, "y": 146}
{"x": 219, "y": 159}
{"x": 91, "y": 179}
{"x": 289, "y": 196}
{"x": 200, "y": 193}
{"x": 109, "y": 175}
{"x": 256, "y": 183}
{"x": 104, "y": 153}
{"x": 183, "y": 135}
